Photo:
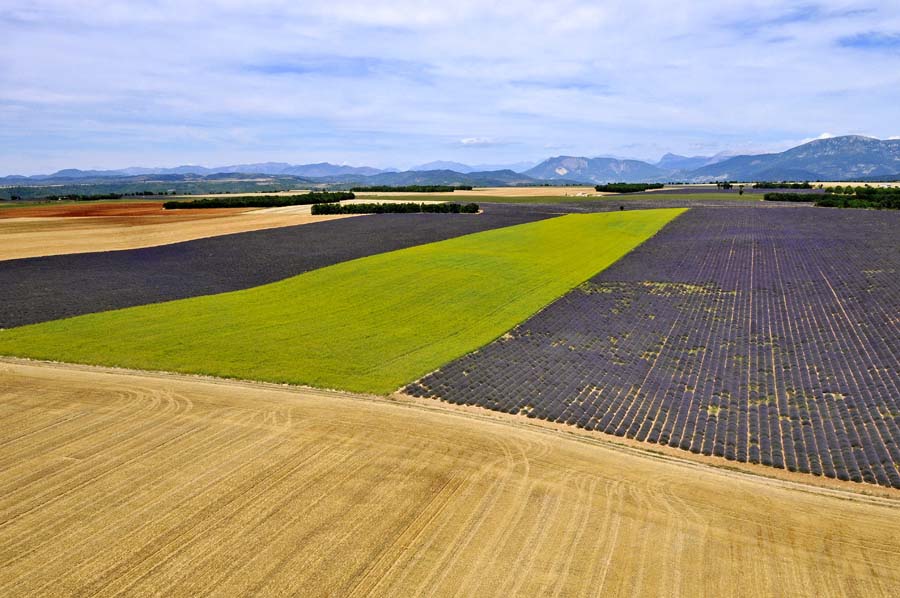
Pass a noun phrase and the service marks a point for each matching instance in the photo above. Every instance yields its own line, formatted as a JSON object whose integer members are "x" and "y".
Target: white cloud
{"x": 410, "y": 80}
{"x": 476, "y": 141}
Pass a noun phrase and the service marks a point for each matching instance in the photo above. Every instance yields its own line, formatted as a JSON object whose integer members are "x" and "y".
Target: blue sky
{"x": 93, "y": 84}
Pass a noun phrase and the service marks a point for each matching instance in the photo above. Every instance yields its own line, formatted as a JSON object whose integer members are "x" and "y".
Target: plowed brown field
{"x": 116, "y": 482}
{"x": 93, "y": 210}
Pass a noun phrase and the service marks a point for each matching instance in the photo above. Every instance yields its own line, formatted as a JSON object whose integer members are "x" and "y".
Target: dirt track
{"x": 115, "y": 482}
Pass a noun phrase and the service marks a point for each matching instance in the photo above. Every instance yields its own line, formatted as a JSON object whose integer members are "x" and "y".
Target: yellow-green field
{"x": 368, "y": 325}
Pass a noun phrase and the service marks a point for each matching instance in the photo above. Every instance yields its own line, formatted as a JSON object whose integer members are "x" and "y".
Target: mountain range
{"x": 850, "y": 157}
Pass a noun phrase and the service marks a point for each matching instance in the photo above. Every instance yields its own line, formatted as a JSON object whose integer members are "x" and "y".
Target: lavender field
{"x": 759, "y": 335}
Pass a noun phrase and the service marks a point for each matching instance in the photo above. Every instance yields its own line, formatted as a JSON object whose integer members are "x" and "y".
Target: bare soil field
{"x": 120, "y": 482}
{"x": 104, "y": 209}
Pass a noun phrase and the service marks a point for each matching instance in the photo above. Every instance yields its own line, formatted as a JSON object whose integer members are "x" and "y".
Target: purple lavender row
{"x": 767, "y": 336}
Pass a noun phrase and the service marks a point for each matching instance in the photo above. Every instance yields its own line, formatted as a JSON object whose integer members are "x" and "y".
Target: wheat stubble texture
{"x": 126, "y": 483}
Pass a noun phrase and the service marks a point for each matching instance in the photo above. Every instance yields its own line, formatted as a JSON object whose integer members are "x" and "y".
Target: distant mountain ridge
{"x": 466, "y": 168}
{"x": 595, "y": 170}
{"x": 491, "y": 178}
{"x": 851, "y": 157}
{"x": 320, "y": 169}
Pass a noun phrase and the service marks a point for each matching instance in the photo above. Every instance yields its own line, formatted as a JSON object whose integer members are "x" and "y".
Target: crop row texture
{"x": 758, "y": 335}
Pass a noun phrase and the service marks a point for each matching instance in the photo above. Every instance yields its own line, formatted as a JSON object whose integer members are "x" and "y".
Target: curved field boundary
{"x": 153, "y": 484}
{"x": 48, "y": 288}
{"x": 365, "y": 325}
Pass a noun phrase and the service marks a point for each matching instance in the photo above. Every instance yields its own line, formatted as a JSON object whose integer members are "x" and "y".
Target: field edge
{"x": 864, "y": 493}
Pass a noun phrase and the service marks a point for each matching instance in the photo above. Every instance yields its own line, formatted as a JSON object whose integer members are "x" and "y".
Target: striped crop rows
{"x": 758, "y": 335}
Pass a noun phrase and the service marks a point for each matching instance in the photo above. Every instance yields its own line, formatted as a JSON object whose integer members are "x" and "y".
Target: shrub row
{"x": 412, "y": 188}
{"x": 781, "y": 185}
{"x": 846, "y": 197}
{"x": 884, "y": 202}
{"x": 803, "y": 197}
{"x": 628, "y": 187}
{"x": 394, "y": 208}
{"x": 261, "y": 201}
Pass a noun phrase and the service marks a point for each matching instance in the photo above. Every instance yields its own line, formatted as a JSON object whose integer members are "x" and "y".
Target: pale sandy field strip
{"x": 144, "y": 484}
{"x": 39, "y": 236}
{"x": 33, "y": 237}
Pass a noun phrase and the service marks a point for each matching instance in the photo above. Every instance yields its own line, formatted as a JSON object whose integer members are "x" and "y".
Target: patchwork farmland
{"x": 366, "y": 325}
{"x": 41, "y": 288}
{"x": 759, "y": 336}
{"x": 567, "y": 396}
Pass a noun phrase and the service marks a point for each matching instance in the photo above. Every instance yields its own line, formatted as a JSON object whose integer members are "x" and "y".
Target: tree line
{"x": 88, "y": 197}
{"x": 627, "y": 187}
{"x": 846, "y": 197}
{"x": 781, "y": 185}
{"x": 394, "y": 208}
{"x": 262, "y": 201}
{"x": 411, "y": 188}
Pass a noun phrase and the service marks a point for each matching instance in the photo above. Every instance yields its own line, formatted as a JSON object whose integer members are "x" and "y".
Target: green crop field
{"x": 367, "y": 325}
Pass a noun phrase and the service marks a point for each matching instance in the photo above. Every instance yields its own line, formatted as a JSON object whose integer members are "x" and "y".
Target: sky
{"x": 91, "y": 84}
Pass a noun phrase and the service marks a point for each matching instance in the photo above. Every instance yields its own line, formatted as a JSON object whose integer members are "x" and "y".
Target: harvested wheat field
{"x": 42, "y": 236}
{"x": 120, "y": 482}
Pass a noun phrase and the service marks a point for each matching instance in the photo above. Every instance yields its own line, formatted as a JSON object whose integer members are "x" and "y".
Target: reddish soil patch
{"x": 138, "y": 208}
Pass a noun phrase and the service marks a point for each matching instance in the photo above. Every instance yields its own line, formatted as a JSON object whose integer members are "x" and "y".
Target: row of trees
{"x": 862, "y": 197}
{"x": 627, "y": 187}
{"x": 846, "y": 197}
{"x": 412, "y": 188}
{"x": 262, "y": 201}
{"x": 796, "y": 197}
{"x": 394, "y": 208}
{"x": 95, "y": 196}
{"x": 781, "y": 185}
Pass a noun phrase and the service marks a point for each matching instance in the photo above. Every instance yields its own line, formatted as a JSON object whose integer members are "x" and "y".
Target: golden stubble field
{"x": 39, "y": 236}
{"x": 115, "y": 482}
{"x": 39, "y": 231}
